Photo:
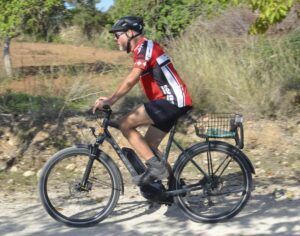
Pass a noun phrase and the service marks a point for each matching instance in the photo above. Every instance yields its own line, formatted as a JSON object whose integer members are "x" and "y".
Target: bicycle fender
{"x": 247, "y": 160}
{"x": 106, "y": 158}
{"x": 79, "y": 145}
{"x": 242, "y": 154}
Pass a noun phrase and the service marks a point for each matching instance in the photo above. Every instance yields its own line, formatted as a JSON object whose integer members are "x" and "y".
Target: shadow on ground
{"x": 263, "y": 215}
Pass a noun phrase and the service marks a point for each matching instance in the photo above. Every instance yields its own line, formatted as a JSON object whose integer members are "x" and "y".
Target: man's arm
{"x": 126, "y": 85}
{"x": 123, "y": 89}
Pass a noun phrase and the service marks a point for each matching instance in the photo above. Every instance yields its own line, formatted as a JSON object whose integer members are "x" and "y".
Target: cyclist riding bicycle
{"x": 167, "y": 94}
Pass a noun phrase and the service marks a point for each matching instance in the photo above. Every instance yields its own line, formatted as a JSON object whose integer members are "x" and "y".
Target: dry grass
{"x": 224, "y": 73}
{"x": 37, "y": 54}
{"x": 250, "y": 75}
{"x": 77, "y": 87}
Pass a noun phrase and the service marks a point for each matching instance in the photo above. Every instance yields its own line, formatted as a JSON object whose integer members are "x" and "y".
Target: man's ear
{"x": 130, "y": 33}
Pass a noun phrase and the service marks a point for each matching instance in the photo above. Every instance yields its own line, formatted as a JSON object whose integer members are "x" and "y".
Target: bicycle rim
{"x": 219, "y": 195}
{"x": 66, "y": 200}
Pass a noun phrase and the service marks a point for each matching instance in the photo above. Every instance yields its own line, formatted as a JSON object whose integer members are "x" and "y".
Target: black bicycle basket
{"x": 221, "y": 125}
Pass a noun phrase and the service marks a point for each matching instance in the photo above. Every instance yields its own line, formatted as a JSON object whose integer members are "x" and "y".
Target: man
{"x": 167, "y": 94}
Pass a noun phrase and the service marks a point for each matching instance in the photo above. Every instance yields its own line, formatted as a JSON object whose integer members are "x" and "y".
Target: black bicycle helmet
{"x": 128, "y": 22}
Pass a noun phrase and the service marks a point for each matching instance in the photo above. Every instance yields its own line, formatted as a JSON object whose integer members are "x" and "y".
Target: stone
{"x": 3, "y": 166}
{"x": 28, "y": 173}
{"x": 40, "y": 137}
{"x": 10, "y": 181}
{"x": 38, "y": 174}
{"x": 70, "y": 167}
{"x": 14, "y": 169}
{"x": 278, "y": 193}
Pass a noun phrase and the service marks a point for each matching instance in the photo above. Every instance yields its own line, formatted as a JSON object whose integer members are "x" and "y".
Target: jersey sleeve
{"x": 141, "y": 59}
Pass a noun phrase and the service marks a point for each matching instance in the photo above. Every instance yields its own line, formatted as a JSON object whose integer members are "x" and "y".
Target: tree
{"x": 168, "y": 18}
{"x": 270, "y": 12}
{"x": 87, "y": 17}
{"x": 10, "y": 12}
{"x": 44, "y": 19}
{"x": 16, "y": 15}
{"x": 163, "y": 19}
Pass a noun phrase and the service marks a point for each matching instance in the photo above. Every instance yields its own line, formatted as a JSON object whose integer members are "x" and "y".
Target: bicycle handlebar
{"x": 106, "y": 121}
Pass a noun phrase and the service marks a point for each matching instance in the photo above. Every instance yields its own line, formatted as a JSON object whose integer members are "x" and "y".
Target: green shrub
{"x": 24, "y": 103}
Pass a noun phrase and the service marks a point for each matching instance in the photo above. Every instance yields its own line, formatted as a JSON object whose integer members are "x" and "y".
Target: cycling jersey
{"x": 159, "y": 79}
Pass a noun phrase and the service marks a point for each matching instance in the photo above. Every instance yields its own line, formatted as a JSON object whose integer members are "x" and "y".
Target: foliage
{"x": 168, "y": 18}
{"x": 25, "y": 103}
{"x": 43, "y": 19}
{"x": 85, "y": 15}
{"x": 163, "y": 19}
{"x": 33, "y": 16}
{"x": 10, "y": 12}
{"x": 270, "y": 12}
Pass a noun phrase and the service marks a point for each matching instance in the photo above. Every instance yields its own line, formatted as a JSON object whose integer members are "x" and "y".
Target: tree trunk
{"x": 6, "y": 57}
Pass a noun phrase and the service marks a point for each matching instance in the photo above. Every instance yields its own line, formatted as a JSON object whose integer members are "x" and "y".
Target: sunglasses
{"x": 118, "y": 34}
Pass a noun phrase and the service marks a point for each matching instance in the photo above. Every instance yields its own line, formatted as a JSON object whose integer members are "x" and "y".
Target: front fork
{"x": 94, "y": 153}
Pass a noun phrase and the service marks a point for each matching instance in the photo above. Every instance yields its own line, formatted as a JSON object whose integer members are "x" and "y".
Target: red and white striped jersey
{"x": 159, "y": 80}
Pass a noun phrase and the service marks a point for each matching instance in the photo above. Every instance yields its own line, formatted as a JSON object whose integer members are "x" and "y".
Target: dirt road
{"x": 273, "y": 210}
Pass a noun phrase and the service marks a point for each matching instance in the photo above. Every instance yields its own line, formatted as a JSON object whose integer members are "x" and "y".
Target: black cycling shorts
{"x": 164, "y": 114}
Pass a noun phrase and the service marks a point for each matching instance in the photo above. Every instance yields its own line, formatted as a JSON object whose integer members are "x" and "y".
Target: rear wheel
{"x": 67, "y": 200}
{"x": 219, "y": 181}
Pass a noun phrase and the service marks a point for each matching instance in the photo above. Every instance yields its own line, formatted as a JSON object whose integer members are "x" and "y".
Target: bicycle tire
{"x": 199, "y": 205}
{"x": 62, "y": 171}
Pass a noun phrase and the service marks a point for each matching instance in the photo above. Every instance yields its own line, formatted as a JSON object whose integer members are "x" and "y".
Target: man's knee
{"x": 125, "y": 127}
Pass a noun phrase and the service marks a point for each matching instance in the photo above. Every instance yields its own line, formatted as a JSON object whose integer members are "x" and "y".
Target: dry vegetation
{"x": 228, "y": 70}
{"x": 224, "y": 73}
{"x": 37, "y": 54}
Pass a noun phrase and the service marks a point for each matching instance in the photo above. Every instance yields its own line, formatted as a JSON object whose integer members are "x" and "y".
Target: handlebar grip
{"x": 106, "y": 107}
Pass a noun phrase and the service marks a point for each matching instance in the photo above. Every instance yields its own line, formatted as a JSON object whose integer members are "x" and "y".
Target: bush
{"x": 252, "y": 74}
{"x": 24, "y": 103}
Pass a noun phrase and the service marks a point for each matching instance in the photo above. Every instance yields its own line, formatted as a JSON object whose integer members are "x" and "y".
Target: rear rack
{"x": 221, "y": 125}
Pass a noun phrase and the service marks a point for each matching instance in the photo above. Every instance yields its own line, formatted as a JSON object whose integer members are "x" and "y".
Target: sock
{"x": 153, "y": 160}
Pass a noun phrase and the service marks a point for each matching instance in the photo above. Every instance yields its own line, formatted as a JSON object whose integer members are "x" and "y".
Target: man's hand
{"x": 100, "y": 102}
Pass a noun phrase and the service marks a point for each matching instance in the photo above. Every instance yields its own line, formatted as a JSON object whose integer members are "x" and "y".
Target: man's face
{"x": 121, "y": 39}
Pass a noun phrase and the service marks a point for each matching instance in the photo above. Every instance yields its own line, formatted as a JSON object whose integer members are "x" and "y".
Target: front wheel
{"x": 217, "y": 179}
{"x": 67, "y": 200}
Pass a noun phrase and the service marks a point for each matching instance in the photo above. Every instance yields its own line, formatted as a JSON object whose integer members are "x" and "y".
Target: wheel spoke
{"x": 226, "y": 165}
{"x": 198, "y": 167}
{"x": 63, "y": 195}
{"x": 219, "y": 195}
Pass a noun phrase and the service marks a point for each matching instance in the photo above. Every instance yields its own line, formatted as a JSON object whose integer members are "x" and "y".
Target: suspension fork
{"x": 94, "y": 153}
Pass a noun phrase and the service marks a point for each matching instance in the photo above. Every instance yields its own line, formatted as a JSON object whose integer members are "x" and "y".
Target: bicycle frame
{"x": 109, "y": 138}
{"x": 198, "y": 176}
{"x": 106, "y": 136}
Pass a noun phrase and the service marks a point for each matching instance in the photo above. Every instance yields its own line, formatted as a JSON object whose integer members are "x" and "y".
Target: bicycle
{"x": 210, "y": 180}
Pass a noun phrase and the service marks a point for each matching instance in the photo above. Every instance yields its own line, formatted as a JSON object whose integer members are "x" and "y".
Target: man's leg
{"x": 156, "y": 169}
{"x": 153, "y": 137}
{"x": 128, "y": 125}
